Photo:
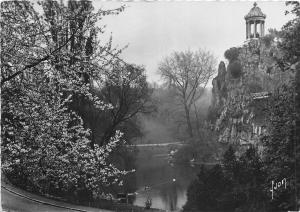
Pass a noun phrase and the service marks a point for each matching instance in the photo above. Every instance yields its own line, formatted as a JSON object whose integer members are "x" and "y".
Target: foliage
{"x": 268, "y": 39}
{"x": 237, "y": 185}
{"x": 287, "y": 99}
{"x": 232, "y": 54}
{"x": 45, "y": 146}
{"x": 235, "y": 69}
{"x": 231, "y": 163}
{"x": 204, "y": 192}
{"x": 281, "y": 146}
{"x": 126, "y": 88}
{"x": 290, "y": 42}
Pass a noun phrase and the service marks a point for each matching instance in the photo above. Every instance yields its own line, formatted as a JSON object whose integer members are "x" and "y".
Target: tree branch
{"x": 37, "y": 62}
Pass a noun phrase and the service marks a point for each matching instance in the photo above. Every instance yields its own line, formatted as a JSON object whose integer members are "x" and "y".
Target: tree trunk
{"x": 197, "y": 120}
{"x": 188, "y": 120}
{"x": 109, "y": 133}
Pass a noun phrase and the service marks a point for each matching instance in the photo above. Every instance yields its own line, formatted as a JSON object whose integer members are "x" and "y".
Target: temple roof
{"x": 255, "y": 12}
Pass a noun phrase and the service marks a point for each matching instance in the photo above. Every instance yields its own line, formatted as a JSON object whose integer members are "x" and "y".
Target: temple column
{"x": 259, "y": 28}
{"x": 263, "y": 28}
{"x": 247, "y": 31}
{"x": 255, "y": 30}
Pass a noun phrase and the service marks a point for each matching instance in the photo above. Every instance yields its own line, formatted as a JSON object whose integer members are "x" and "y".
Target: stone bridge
{"x": 156, "y": 150}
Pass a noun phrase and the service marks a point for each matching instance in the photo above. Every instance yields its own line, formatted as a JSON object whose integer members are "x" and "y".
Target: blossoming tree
{"x": 47, "y": 58}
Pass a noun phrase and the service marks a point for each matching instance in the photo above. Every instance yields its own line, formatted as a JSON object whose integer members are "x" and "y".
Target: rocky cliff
{"x": 241, "y": 90}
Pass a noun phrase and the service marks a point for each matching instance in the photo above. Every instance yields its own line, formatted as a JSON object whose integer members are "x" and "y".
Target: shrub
{"x": 267, "y": 40}
{"x": 235, "y": 69}
{"x": 255, "y": 86}
{"x": 232, "y": 54}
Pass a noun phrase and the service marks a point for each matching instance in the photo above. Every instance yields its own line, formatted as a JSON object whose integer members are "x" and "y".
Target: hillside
{"x": 241, "y": 90}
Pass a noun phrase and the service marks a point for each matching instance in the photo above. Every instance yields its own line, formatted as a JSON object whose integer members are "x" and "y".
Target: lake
{"x": 167, "y": 185}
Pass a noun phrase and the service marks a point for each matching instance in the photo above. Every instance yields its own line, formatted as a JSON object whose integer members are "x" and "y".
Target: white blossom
{"x": 42, "y": 139}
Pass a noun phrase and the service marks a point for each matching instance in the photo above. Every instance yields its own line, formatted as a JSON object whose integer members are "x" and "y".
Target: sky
{"x": 155, "y": 29}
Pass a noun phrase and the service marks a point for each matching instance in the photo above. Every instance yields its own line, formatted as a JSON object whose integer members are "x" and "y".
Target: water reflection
{"x": 165, "y": 193}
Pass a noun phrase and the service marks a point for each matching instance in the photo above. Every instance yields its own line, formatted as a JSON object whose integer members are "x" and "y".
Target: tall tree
{"x": 127, "y": 89}
{"x": 280, "y": 146}
{"x": 290, "y": 46}
{"x": 188, "y": 72}
{"x": 45, "y": 146}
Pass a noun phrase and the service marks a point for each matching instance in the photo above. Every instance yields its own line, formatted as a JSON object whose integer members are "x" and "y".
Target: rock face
{"x": 219, "y": 86}
{"x": 238, "y": 103}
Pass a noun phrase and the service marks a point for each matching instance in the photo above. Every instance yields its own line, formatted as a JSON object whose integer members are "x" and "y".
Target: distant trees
{"x": 188, "y": 73}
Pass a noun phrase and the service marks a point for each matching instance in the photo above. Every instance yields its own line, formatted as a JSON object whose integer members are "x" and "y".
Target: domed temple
{"x": 255, "y": 23}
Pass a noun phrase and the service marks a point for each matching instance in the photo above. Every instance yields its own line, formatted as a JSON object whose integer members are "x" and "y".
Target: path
{"x": 17, "y": 200}
{"x": 158, "y": 144}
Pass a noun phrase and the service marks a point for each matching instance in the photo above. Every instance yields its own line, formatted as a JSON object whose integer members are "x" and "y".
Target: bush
{"x": 206, "y": 191}
{"x": 232, "y": 54}
{"x": 235, "y": 69}
{"x": 237, "y": 185}
{"x": 267, "y": 40}
{"x": 255, "y": 85}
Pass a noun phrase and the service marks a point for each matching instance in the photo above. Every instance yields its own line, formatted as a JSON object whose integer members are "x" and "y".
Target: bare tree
{"x": 188, "y": 72}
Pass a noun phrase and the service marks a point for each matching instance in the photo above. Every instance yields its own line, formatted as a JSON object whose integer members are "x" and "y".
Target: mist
{"x": 167, "y": 124}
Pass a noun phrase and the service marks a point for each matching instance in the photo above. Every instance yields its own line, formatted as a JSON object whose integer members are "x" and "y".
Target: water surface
{"x": 167, "y": 184}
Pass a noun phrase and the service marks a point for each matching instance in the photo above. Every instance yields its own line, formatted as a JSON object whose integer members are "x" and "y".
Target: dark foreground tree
{"x": 236, "y": 185}
{"x": 281, "y": 147}
{"x": 284, "y": 138}
{"x": 127, "y": 89}
{"x": 204, "y": 193}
